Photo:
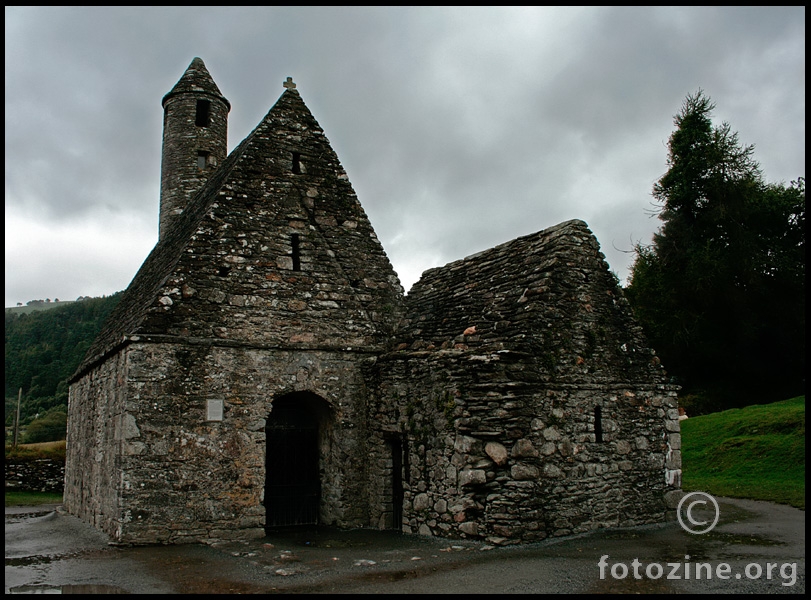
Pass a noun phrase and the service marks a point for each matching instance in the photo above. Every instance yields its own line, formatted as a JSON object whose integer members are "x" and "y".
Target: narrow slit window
{"x": 203, "y": 116}
{"x": 296, "y": 252}
{"x": 598, "y": 424}
{"x": 202, "y": 160}
{"x": 296, "y": 162}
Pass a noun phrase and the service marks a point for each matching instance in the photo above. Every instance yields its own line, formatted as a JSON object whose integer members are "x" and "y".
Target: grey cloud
{"x": 460, "y": 128}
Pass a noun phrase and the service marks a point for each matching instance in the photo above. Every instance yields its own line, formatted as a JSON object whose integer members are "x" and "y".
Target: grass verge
{"x": 55, "y": 450}
{"x": 32, "y": 498}
{"x": 756, "y": 452}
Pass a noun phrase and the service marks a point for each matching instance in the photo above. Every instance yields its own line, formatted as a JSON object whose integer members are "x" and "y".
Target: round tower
{"x": 195, "y": 139}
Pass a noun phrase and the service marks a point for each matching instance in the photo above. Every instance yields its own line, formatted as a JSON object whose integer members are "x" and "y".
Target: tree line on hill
{"x": 43, "y": 349}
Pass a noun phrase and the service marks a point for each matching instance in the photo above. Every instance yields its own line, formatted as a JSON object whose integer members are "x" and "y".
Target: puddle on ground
{"x": 67, "y": 589}
{"x": 30, "y": 516}
{"x": 742, "y": 539}
{"x": 320, "y": 536}
{"x": 629, "y": 585}
{"x": 28, "y": 561}
{"x": 714, "y": 545}
{"x": 44, "y": 559}
{"x": 334, "y": 543}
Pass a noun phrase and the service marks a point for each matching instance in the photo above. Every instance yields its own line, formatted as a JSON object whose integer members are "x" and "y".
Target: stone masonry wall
{"x": 185, "y": 478}
{"x": 38, "y": 475}
{"x": 95, "y": 427}
{"x": 515, "y": 461}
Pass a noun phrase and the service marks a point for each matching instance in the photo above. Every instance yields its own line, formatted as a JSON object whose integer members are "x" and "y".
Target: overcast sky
{"x": 459, "y": 128}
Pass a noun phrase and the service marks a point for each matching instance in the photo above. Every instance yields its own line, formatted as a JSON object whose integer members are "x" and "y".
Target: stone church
{"x": 265, "y": 369}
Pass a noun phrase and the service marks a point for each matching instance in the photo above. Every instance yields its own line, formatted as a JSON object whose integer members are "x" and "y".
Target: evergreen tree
{"x": 721, "y": 290}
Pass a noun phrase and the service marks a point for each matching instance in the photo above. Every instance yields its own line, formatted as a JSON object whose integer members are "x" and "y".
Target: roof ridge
{"x": 549, "y": 231}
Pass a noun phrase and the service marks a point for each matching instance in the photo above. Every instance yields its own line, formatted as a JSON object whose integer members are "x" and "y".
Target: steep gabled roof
{"x": 140, "y": 294}
{"x": 549, "y": 295}
{"x": 489, "y": 290}
{"x": 133, "y": 315}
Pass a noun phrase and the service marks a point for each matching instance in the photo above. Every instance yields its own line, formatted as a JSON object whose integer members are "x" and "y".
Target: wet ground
{"x": 48, "y": 551}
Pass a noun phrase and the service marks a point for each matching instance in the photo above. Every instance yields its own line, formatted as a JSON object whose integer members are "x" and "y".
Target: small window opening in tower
{"x": 598, "y": 424}
{"x": 202, "y": 160}
{"x": 296, "y": 162}
{"x": 296, "y": 252}
{"x": 203, "y": 115}
{"x": 223, "y": 271}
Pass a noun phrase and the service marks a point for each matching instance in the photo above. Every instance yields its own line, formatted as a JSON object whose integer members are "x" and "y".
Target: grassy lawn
{"x": 32, "y": 498}
{"x": 756, "y": 452}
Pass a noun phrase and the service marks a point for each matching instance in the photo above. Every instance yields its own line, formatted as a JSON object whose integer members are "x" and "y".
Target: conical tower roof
{"x": 196, "y": 80}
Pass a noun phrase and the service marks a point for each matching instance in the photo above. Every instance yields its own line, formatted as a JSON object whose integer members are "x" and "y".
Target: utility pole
{"x": 17, "y": 418}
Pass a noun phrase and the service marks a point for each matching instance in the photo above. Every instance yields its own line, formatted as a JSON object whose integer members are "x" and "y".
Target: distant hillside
{"x": 44, "y": 344}
{"x": 35, "y": 305}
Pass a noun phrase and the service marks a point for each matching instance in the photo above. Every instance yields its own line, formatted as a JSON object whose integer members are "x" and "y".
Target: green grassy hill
{"x": 755, "y": 452}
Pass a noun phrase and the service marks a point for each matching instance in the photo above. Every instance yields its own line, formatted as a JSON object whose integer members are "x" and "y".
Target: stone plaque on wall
{"x": 214, "y": 410}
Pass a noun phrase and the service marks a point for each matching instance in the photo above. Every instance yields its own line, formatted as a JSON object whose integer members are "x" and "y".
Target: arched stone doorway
{"x": 295, "y": 447}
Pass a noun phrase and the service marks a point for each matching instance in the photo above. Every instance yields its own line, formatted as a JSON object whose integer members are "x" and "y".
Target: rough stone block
{"x": 470, "y": 477}
{"x": 469, "y": 528}
{"x": 421, "y": 502}
{"x": 496, "y": 452}
{"x": 523, "y": 448}
{"x": 523, "y": 472}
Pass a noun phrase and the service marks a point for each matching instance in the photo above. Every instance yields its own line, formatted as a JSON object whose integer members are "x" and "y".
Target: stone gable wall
{"x": 239, "y": 276}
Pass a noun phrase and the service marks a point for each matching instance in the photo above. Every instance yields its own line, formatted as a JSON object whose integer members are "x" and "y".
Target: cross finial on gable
{"x": 289, "y": 84}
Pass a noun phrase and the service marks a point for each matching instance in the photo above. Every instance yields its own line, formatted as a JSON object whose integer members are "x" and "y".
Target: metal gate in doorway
{"x": 292, "y": 487}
